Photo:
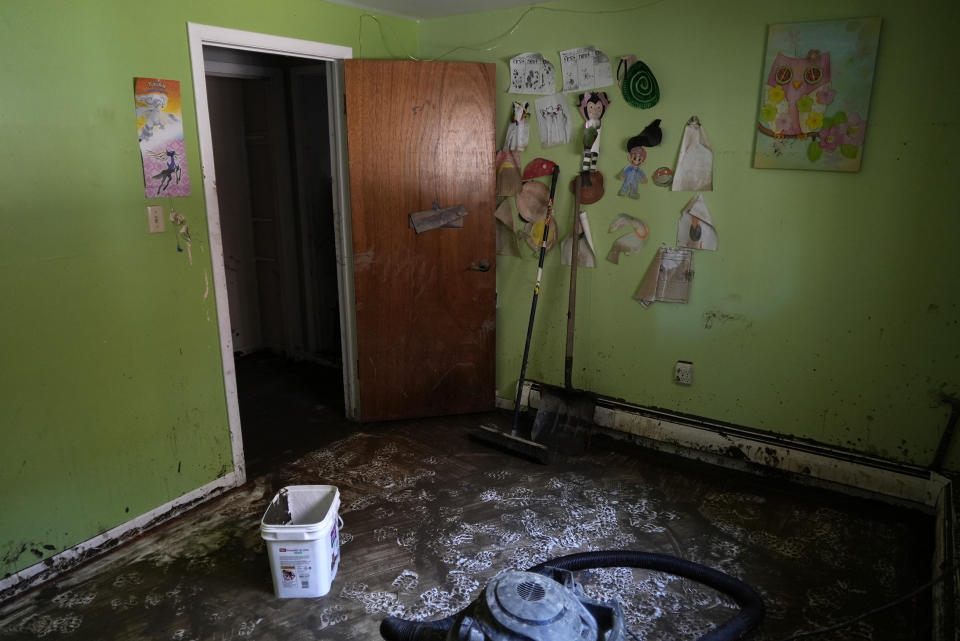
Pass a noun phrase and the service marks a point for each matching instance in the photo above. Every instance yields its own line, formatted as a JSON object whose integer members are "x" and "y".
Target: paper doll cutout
{"x": 632, "y": 174}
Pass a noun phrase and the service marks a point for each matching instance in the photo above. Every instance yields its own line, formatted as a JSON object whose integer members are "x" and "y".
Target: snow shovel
{"x": 565, "y": 417}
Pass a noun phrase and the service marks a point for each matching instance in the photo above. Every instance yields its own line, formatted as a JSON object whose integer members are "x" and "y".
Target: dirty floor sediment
{"x": 430, "y": 516}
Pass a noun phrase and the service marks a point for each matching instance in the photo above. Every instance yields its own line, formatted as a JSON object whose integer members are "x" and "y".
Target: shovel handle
{"x": 572, "y": 301}
{"x": 536, "y": 295}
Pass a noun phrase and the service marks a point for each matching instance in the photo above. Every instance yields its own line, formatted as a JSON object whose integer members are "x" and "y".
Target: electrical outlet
{"x": 683, "y": 373}
{"x": 155, "y": 222}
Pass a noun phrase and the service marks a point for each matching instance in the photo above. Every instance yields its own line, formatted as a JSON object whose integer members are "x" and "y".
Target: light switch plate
{"x": 155, "y": 222}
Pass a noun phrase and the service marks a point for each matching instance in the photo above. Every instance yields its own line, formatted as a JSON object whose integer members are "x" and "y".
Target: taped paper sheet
{"x": 531, "y": 73}
{"x": 668, "y": 278}
{"x": 695, "y": 228}
{"x": 584, "y": 69}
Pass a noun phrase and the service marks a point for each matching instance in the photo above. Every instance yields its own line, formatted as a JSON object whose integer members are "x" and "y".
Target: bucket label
{"x": 295, "y": 567}
{"x": 334, "y": 548}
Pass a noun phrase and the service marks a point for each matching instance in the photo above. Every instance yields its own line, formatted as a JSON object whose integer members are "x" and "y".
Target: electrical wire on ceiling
{"x": 487, "y": 46}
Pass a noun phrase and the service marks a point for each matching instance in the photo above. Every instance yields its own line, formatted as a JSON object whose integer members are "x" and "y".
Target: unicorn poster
{"x": 160, "y": 132}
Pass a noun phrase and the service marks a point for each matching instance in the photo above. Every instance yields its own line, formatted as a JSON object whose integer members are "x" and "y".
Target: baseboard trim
{"x": 50, "y": 568}
{"x": 804, "y": 462}
{"x": 946, "y": 594}
{"x": 747, "y": 449}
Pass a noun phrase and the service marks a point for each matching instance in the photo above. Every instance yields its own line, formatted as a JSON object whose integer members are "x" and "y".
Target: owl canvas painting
{"x": 815, "y": 96}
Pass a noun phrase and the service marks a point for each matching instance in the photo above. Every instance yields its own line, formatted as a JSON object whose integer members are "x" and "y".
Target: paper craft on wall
{"x": 160, "y": 132}
{"x": 518, "y": 131}
{"x": 506, "y": 233}
{"x": 553, "y": 118}
{"x": 584, "y": 69}
{"x": 531, "y": 73}
{"x": 592, "y": 106}
{"x": 533, "y": 233}
{"x": 631, "y": 242}
{"x": 815, "y": 96}
{"x": 532, "y": 201}
{"x": 507, "y": 164}
{"x": 637, "y": 83}
{"x": 586, "y": 255}
{"x": 694, "y": 170}
{"x": 668, "y": 278}
{"x": 695, "y": 228}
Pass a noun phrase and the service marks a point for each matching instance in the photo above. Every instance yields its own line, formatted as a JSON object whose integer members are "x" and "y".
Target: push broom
{"x": 512, "y": 441}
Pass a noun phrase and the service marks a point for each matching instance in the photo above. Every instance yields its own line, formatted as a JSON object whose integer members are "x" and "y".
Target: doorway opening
{"x": 279, "y": 236}
{"x": 270, "y": 128}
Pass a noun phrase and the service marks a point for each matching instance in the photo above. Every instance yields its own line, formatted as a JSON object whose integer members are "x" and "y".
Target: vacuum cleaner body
{"x": 544, "y": 603}
{"x": 524, "y": 606}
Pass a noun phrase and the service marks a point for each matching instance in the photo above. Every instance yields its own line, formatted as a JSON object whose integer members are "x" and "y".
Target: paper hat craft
{"x": 649, "y": 137}
{"x": 532, "y": 201}
{"x": 538, "y": 167}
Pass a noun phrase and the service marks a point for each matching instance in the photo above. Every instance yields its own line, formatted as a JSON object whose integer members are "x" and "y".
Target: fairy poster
{"x": 815, "y": 94}
{"x": 160, "y": 131}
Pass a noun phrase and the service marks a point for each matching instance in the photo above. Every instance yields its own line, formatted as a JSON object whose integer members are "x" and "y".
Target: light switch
{"x": 155, "y": 219}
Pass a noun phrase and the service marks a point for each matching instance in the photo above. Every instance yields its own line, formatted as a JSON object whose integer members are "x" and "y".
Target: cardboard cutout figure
{"x": 632, "y": 174}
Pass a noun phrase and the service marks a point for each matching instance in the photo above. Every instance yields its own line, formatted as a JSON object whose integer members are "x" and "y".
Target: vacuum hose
{"x": 397, "y": 629}
{"x": 751, "y": 605}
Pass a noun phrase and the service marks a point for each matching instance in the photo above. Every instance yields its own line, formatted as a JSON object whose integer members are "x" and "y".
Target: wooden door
{"x": 421, "y": 133}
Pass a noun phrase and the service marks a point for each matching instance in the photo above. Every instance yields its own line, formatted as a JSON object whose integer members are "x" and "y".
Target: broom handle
{"x": 572, "y": 303}
{"x": 536, "y": 295}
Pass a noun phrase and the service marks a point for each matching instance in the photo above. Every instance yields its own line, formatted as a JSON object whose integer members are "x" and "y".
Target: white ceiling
{"x": 426, "y": 9}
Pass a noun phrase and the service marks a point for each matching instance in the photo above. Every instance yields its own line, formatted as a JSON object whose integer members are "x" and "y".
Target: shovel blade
{"x": 564, "y": 421}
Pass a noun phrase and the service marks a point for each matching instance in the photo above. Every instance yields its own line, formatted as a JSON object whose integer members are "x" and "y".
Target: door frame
{"x": 200, "y": 35}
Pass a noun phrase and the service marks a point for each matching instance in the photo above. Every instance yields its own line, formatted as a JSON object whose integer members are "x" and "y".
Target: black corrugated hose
{"x": 751, "y": 605}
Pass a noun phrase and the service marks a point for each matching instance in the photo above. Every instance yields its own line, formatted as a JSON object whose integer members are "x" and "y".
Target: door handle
{"x": 480, "y": 266}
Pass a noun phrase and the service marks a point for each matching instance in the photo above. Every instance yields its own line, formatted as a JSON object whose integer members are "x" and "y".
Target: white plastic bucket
{"x": 301, "y": 528}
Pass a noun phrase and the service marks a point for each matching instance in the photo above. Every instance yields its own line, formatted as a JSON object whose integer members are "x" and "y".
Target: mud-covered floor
{"x": 430, "y": 515}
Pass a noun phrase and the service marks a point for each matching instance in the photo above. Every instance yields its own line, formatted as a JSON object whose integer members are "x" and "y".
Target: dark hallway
{"x": 287, "y": 408}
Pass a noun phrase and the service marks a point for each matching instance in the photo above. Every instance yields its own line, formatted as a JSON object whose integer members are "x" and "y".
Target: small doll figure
{"x": 632, "y": 174}
{"x": 592, "y": 107}
{"x": 518, "y": 131}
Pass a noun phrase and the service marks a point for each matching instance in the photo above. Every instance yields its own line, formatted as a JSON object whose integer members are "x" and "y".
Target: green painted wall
{"x": 111, "y": 388}
{"x": 830, "y": 311}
